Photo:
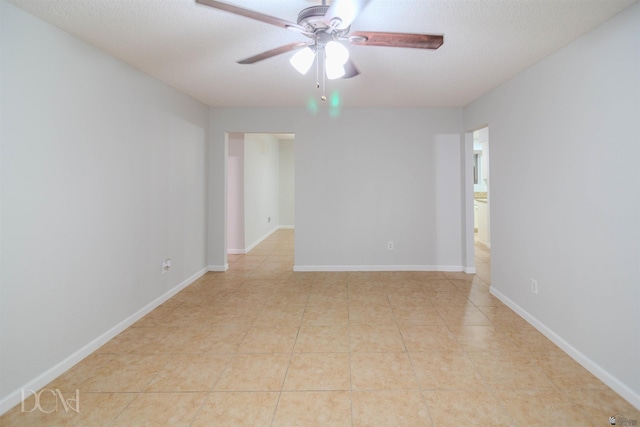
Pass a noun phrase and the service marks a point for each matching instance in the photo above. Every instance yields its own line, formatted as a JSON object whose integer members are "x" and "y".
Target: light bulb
{"x": 303, "y": 60}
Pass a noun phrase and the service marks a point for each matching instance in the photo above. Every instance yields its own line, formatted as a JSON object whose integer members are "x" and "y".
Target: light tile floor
{"x": 260, "y": 345}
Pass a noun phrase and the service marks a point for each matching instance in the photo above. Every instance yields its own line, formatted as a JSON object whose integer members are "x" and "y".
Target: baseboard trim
{"x": 260, "y": 240}
{"x": 46, "y": 377}
{"x": 218, "y": 267}
{"x": 614, "y": 383}
{"x": 236, "y": 251}
{"x": 286, "y": 227}
{"x": 448, "y": 268}
{"x": 469, "y": 270}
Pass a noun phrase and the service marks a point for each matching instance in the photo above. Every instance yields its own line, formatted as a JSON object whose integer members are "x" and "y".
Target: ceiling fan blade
{"x": 342, "y": 13}
{"x": 418, "y": 41}
{"x": 252, "y": 14}
{"x": 350, "y": 70}
{"x": 273, "y": 52}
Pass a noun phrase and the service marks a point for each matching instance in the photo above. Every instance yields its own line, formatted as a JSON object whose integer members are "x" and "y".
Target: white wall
{"x": 565, "y": 197}
{"x": 261, "y": 188}
{"x": 103, "y": 177}
{"x": 287, "y": 184}
{"x": 363, "y": 178}
{"x": 235, "y": 194}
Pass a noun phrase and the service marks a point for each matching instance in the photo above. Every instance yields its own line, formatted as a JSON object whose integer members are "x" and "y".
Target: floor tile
{"x": 161, "y": 409}
{"x": 289, "y": 315}
{"x": 399, "y": 299}
{"x": 399, "y": 408}
{"x": 466, "y": 408}
{"x": 262, "y": 339}
{"x": 428, "y": 338}
{"x": 510, "y": 370}
{"x": 382, "y": 371}
{"x": 362, "y": 313}
{"x": 373, "y": 338}
{"x": 318, "y": 371}
{"x": 326, "y": 313}
{"x": 425, "y": 316}
{"x": 474, "y": 338}
{"x": 446, "y": 370}
{"x": 565, "y": 372}
{"x": 314, "y": 409}
{"x": 600, "y": 404}
{"x": 219, "y": 339}
{"x": 463, "y": 316}
{"x": 543, "y": 408}
{"x": 238, "y": 409}
{"x": 322, "y": 339}
{"x": 125, "y": 373}
{"x": 190, "y": 372}
{"x": 254, "y": 372}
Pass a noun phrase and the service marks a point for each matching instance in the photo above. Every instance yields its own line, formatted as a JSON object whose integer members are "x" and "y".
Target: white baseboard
{"x": 449, "y": 268}
{"x": 46, "y": 377}
{"x": 469, "y": 270}
{"x": 218, "y": 267}
{"x": 286, "y": 227}
{"x": 614, "y": 383}
{"x": 236, "y": 251}
{"x": 260, "y": 240}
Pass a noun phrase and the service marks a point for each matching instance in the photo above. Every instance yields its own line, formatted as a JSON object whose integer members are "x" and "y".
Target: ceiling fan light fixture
{"x": 303, "y": 60}
{"x": 327, "y": 26}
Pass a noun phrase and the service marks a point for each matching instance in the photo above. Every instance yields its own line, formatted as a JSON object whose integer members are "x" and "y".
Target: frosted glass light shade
{"x": 336, "y": 52}
{"x": 336, "y": 56}
{"x": 303, "y": 60}
{"x": 334, "y": 69}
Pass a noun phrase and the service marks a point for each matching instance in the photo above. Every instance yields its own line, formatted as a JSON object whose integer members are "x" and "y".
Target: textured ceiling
{"x": 195, "y": 48}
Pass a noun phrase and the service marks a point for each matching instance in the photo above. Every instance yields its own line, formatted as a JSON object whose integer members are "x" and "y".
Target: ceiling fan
{"x": 328, "y": 27}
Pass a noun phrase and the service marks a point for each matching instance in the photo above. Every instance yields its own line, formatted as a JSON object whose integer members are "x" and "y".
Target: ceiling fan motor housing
{"x": 312, "y": 18}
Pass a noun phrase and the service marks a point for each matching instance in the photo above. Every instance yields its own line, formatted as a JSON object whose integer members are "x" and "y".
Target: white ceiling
{"x": 195, "y": 48}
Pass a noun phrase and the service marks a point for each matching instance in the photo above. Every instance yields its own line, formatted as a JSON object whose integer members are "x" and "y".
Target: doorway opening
{"x": 260, "y": 193}
{"x": 482, "y": 204}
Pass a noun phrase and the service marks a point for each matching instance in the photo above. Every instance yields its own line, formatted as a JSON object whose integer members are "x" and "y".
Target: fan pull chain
{"x": 324, "y": 96}
{"x": 317, "y": 68}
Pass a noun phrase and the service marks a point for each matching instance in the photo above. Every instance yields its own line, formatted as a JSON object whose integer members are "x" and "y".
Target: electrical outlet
{"x": 534, "y": 286}
{"x": 390, "y": 246}
{"x": 166, "y": 265}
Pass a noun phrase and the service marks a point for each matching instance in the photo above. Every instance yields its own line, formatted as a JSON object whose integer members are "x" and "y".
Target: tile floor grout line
{"x": 413, "y": 369}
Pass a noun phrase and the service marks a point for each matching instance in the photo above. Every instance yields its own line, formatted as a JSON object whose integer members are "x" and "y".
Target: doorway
{"x": 482, "y": 204}
{"x": 260, "y": 188}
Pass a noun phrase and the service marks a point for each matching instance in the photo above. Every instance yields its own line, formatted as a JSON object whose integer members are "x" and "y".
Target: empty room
{"x": 283, "y": 213}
